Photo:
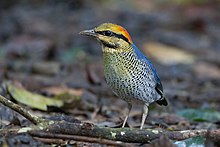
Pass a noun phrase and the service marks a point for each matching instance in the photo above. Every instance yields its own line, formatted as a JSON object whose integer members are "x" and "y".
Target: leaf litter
{"x": 37, "y": 44}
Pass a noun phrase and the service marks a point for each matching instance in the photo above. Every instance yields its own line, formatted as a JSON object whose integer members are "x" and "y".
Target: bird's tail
{"x": 162, "y": 101}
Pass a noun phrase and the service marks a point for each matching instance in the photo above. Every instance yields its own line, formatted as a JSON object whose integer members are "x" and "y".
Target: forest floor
{"x": 42, "y": 56}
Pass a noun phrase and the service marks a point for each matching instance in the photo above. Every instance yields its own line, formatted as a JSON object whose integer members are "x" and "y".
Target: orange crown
{"x": 121, "y": 30}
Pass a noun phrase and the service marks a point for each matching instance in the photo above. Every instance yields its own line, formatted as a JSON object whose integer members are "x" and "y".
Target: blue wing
{"x": 141, "y": 56}
{"x": 159, "y": 87}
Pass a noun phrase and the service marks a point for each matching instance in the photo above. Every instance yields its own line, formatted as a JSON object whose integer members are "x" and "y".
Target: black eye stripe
{"x": 110, "y": 33}
{"x": 122, "y": 37}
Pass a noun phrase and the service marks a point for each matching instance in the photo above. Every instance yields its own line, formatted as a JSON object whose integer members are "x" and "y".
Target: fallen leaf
{"x": 55, "y": 90}
{"x": 206, "y": 70}
{"x": 71, "y": 97}
{"x": 33, "y": 100}
{"x": 168, "y": 55}
{"x": 200, "y": 115}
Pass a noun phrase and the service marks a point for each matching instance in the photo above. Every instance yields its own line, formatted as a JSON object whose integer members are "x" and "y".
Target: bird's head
{"x": 111, "y": 36}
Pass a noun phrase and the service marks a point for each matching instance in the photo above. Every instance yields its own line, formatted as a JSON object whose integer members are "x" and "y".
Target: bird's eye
{"x": 108, "y": 33}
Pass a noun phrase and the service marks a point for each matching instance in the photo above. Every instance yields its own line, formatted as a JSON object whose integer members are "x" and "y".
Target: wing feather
{"x": 158, "y": 87}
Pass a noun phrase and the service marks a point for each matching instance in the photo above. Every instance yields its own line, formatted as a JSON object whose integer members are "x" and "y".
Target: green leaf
{"x": 200, "y": 115}
{"x": 191, "y": 142}
{"x": 33, "y": 100}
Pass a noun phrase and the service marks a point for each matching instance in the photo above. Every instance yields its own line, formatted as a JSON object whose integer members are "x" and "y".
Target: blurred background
{"x": 40, "y": 48}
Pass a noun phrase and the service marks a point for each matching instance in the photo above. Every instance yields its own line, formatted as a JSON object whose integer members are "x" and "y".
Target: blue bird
{"x": 128, "y": 72}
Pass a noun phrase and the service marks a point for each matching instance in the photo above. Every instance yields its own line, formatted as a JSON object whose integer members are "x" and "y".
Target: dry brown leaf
{"x": 55, "y": 90}
{"x": 168, "y": 55}
{"x": 206, "y": 70}
{"x": 70, "y": 97}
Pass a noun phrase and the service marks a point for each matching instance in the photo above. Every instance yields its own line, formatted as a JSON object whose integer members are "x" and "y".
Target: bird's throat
{"x": 113, "y": 62}
{"x": 108, "y": 50}
{"x": 108, "y": 45}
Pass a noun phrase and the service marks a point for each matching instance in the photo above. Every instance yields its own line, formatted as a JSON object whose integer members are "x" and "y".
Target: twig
{"x": 40, "y": 134}
{"x": 31, "y": 117}
{"x": 124, "y": 134}
{"x": 93, "y": 131}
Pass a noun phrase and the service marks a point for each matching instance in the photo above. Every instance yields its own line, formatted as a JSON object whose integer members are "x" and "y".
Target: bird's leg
{"x": 127, "y": 114}
{"x": 145, "y": 112}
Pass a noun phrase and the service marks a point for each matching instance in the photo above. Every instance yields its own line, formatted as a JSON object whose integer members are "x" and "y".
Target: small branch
{"x": 91, "y": 130}
{"x": 42, "y": 135}
{"x": 85, "y": 130}
{"x": 123, "y": 134}
{"x": 31, "y": 117}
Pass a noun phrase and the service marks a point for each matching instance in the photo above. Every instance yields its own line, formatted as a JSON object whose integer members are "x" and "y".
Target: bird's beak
{"x": 88, "y": 33}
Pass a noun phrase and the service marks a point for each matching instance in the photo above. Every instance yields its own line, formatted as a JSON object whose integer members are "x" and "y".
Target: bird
{"x": 128, "y": 72}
